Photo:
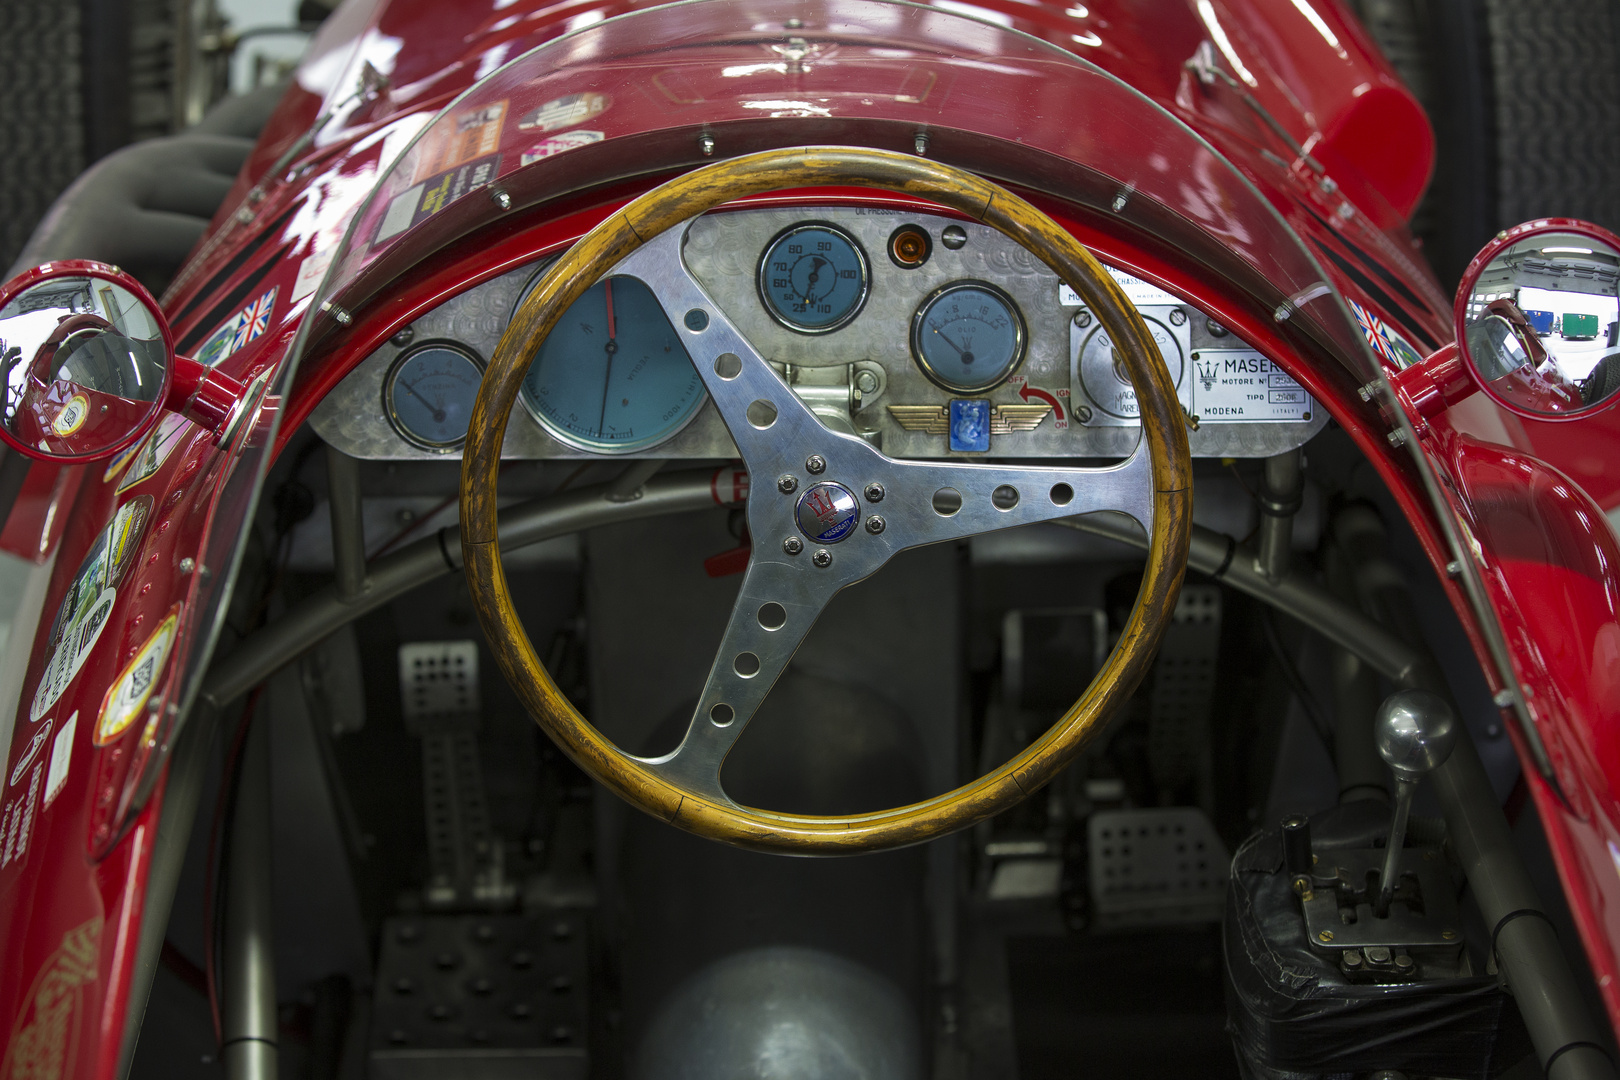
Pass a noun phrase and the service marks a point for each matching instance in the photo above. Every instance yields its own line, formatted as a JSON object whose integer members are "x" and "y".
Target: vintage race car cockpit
{"x": 829, "y": 539}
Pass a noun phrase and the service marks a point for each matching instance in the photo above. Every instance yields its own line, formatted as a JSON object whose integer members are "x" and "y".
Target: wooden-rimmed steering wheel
{"x": 827, "y": 509}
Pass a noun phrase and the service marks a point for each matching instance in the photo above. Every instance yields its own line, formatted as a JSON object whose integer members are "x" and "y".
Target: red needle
{"x": 613, "y": 331}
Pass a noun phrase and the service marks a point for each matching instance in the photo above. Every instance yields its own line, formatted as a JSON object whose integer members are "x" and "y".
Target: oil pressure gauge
{"x": 429, "y": 394}
{"x": 968, "y": 336}
{"x": 813, "y": 278}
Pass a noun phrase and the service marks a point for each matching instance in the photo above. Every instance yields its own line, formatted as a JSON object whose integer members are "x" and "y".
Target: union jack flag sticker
{"x": 254, "y": 319}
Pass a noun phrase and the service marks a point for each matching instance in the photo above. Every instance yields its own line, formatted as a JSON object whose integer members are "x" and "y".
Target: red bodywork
{"x": 70, "y": 907}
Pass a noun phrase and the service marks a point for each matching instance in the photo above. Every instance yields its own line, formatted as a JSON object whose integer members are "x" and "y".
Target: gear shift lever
{"x": 1415, "y": 731}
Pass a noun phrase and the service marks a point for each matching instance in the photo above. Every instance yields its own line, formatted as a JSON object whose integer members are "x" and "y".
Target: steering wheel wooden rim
{"x": 686, "y": 197}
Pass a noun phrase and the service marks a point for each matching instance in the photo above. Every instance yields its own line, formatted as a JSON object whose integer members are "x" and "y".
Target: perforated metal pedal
{"x": 1154, "y": 866}
{"x": 438, "y": 680}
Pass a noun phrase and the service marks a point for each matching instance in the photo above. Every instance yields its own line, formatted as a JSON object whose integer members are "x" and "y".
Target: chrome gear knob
{"x": 1415, "y": 731}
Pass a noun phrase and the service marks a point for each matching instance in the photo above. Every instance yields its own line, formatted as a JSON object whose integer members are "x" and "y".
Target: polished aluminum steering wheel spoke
{"x": 827, "y": 509}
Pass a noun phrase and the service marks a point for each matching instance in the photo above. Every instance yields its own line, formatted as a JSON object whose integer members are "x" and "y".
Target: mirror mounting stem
{"x": 1435, "y": 385}
{"x": 205, "y": 396}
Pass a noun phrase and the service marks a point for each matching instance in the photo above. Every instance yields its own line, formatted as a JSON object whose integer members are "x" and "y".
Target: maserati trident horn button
{"x": 827, "y": 512}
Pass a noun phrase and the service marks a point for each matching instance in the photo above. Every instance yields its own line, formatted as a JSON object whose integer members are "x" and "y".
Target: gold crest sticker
{"x": 129, "y": 693}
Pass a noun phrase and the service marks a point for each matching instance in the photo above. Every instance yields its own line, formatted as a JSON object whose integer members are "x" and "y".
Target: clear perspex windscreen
{"x": 606, "y": 96}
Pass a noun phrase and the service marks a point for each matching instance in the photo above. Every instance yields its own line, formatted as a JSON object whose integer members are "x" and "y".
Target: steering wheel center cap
{"x": 827, "y": 512}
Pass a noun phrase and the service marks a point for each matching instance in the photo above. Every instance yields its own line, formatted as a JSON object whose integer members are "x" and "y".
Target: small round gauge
{"x": 429, "y": 394}
{"x": 968, "y": 336}
{"x": 1102, "y": 369}
{"x": 813, "y": 278}
{"x": 612, "y": 377}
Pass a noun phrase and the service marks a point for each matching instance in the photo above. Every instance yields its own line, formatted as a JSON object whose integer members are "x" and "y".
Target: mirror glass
{"x": 1541, "y": 324}
{"x": 85, "y": 366}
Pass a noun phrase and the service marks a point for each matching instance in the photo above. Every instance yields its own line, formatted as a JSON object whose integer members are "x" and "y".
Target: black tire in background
{"x": 1524, "y": 96}
{"x": 77, "y": 81}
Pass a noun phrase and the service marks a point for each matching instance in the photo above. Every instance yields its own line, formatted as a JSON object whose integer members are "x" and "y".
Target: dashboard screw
{"x": 954, "y": 237}
{"x": 815, "y": 464}
{"x": 875, "y": 524}
{"x": 787, "y": 484}
{"x": 1215, "y": 329}
{"x": 402, "y": 338}
{"x": 1324, "y": 936}
{"x": 822, "y": 558}
{"x": 1178, "y": 317}
{"x": 866, "y": 382}
{"x": 874, "y": 492}
{"x": 793, "y": 545}
{"x": 1082, "y": 319}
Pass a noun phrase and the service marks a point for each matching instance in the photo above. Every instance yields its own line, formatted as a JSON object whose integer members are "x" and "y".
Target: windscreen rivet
{"x": 187, "y": 565}
{"x": 500, "y": 198}
{"x": 706, "y": 145}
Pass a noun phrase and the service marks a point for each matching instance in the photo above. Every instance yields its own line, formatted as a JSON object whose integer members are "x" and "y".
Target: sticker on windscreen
{"x": 565, "y": 112}
{"x": 432, "y": 195}
{"x": 558, "y": 144}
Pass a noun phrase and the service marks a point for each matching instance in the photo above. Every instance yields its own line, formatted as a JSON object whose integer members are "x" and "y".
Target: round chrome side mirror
{"x": 86, "y": 359}
{"x": 1538, "y": 319}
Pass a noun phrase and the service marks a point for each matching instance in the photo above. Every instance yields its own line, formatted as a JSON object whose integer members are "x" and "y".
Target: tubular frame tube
{"x": 248, "y": 965}
{"x": 1280, "y": 497}
{"x": 317, "y": 617}
{"x": 348, "y": 526}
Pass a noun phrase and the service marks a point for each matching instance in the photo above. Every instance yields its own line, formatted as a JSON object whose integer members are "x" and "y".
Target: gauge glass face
{"x": 1102, "y": 369}
{"x": 429, "y": 394}
{"x": 968, "y": 337}
{"x": 813, "y": 278}
{"x": 613, "y": 376}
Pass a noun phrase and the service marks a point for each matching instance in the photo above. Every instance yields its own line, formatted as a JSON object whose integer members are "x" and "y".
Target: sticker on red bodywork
{"x": 45, "y": 1037}
{"x": 34, "y": 746}
{"x": 18, "y": 820}
{"x": 557, "y": 144}
{"x": 151, "y": 454}
{"x": 88, "y": 602}
{"x": 56, "y": 773}
{"x": 241, "y": 328}
{"x": 1385, "y": 340}
{"x": 126, "y": 698}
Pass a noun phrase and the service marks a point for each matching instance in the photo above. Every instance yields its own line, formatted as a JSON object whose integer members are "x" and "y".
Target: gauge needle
{"x": 966, "y": 356}
{"x": 438, "y": 413}
{"x": 816, "y": 263}
{"x": 610, "y": 348}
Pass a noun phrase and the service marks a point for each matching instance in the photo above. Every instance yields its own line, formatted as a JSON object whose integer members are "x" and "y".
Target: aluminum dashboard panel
{"x": 1062, "y": 400}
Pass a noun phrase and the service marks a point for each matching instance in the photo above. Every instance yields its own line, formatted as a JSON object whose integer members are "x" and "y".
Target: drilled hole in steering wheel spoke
{"x": 947, "y": 501}
{"x": 1062, "y": 494}
{"x": 728, "y": 365}
{"x": 746, "y": 665}
{"x": 772, "y": 616}
{"x": 762, "y": 414}
{"x": 721, "y": 714}
{"x": 1004, "y": 497}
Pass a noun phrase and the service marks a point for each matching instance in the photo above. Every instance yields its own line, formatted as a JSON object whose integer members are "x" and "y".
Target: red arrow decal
{"x": 1026, "y": 392}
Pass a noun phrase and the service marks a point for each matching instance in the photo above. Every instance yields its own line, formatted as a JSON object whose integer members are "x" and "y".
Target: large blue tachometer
{"x": 612, "y": 376}
{"x": 813, "y": 278}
